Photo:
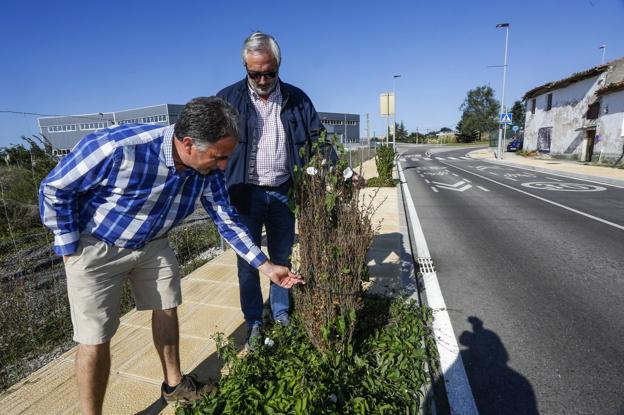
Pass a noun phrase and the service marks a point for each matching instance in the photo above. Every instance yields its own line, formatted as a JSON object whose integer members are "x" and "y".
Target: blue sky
{"x": 71, "y": 57}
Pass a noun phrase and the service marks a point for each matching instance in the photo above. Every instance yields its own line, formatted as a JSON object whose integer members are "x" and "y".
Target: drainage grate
{"x": 425, "y": 265}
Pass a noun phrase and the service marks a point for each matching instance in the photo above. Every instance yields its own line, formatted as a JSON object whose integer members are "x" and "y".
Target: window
{"x": 548, "y": 102}
{"x": 62, "y": 128}
{"x": 533, "y": 105}
{"x": 593, "y": 111}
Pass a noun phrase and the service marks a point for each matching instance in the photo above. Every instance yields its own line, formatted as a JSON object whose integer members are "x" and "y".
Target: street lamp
{"x": 394, "y": 78}
{"x": 604, "y": 49}
{"x": 502, "y": 132}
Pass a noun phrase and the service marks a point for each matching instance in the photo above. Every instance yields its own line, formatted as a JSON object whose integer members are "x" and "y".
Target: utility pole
{"x": 368, "y": 134}
{"x": 502, "y": 130}
{"x": 604, "y": 49}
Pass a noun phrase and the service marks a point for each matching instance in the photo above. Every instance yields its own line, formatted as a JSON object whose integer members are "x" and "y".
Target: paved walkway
{"x": 211, "y": 305}
{"x": 577, "y": 169}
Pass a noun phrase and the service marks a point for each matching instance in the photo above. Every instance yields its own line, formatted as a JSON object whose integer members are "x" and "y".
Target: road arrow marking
{"x": 455, "y": 186}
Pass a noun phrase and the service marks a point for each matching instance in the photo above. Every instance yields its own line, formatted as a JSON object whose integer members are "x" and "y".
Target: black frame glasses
{"x": 256, "y": 76}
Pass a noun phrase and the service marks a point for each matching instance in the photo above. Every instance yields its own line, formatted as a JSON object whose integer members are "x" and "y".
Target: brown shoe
{"x": 188, "y": 390}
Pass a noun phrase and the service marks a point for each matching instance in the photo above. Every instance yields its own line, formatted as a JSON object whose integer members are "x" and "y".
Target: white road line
{"x": 512, "y": 179}
{"x": 465, "y": 158}
{"x": 495, "y": 174}
{"x": 543, "y": 199}
{"x": 451, "y": 158}
{"x": 552, "y": 178}
{"x": 427, "y": 159}
{"x": 434, "y": 189}
{"x": 421, "y": 175}
{"x": 456, "y": 175}
{"x": 427, "y": 181}
{"x": 456, "y": 383}
{"x": 440, "y": 158}
{"x": 483, "y": 188}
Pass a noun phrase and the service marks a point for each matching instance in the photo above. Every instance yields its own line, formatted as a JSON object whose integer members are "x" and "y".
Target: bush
{"x": 383, "y": 374}
{"x": 379, "y": 182}
{"x": 385, "y": 162}
{"x": 335, "y": 233}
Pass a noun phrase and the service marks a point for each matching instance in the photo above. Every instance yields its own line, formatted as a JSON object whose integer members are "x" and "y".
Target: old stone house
{"x": 580, "y": 117}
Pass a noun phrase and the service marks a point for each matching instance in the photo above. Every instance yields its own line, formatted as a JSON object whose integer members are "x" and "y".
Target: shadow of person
{"x": 497, "y": 388}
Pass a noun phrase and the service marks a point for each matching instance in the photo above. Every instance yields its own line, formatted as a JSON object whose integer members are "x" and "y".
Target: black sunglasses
{"x": 256, "y": 76}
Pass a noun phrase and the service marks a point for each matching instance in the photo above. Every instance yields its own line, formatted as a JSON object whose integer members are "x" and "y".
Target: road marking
{"x": 427, "y": 159}
{"x": 561, "y": 175}
{"x": 434, "y": 189}
{"x": 465, "y": 158}
{"x": 483, "y": 188}
{"x": 456, "y": 175}
{"x": 451, "y": 158}
{"x": 421, "y": 175}
{"x": 461, "y": 400}
{"x": 509, "y": 178}
{"x": 454, "y": 187}
{"x": 427, "y": 181}
{"x": 495, "y": 174}
{"x": 552, "y": 178}
{"x": 440, "y": 158}
{"x": 468, "y": 180}
{"x": 564, "y": 187}
{"x": 543, "y": 199}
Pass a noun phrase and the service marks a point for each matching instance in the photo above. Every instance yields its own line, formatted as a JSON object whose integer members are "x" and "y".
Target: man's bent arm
{"x": 216, "y": 202}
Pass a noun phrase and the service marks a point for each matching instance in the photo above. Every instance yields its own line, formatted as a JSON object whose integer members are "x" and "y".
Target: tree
{"x": 518, "y": 113}
{"x": 401, "y": 132}
{"x": 479, "y": 113}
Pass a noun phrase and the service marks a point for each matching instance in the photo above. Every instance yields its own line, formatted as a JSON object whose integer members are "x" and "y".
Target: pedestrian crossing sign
{"x": 505, "y": 118}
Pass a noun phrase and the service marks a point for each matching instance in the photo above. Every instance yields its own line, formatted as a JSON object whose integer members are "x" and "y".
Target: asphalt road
{"x": 531, "y": 267}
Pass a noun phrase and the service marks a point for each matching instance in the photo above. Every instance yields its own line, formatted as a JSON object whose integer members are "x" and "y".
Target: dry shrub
{"x": 335, "y": 233}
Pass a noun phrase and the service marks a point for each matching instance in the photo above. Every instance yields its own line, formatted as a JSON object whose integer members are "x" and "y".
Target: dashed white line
{"x": 427, "y": 181}
{"x": 483, "y": 188}
{"x": 440, "y": 158}
{"x": 512, "y": 179}
{"x": 456, "y": 175}
{"x": 434, "y": 189}
{"x": 552, "y": 178}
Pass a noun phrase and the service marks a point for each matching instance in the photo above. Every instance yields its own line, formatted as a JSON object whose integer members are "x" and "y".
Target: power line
{"x": 48, "y": 115}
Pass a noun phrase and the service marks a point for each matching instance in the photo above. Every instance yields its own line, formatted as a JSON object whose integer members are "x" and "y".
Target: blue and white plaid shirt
{"x": 120, "y": 184}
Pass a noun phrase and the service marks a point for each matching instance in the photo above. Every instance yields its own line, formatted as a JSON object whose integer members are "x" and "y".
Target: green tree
{"x": 518, "y": 113}
{"x": 479, "y": 113}
{"x": 401, "y": 132}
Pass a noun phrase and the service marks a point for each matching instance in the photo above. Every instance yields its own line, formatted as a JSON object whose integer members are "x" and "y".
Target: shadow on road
{"x": 497, "y": 388}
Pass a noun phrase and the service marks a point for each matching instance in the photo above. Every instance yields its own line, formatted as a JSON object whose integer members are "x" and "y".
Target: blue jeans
{"x": 269, "y": 207}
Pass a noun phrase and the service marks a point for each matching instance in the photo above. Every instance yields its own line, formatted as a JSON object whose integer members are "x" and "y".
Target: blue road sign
{"x": 515, "y": 128}
{"x": 505, "y": 118}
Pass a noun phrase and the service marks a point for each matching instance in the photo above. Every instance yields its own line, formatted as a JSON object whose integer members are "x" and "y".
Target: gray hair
{"x": 207, "y": 120}
{"x": 259, "y": 42}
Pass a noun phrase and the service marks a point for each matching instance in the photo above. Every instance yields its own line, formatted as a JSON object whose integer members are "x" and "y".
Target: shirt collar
{"x": 167, "y": 146}
{"x": 273, "y": 96}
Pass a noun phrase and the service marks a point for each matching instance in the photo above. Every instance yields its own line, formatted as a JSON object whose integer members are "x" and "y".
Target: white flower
{"x": 311, "y": 171}
{"x": 347, "y": 173}
{"x": 333, "y": 398}
{"x": 268, "y": 342}
{"x": 323, "y": 162}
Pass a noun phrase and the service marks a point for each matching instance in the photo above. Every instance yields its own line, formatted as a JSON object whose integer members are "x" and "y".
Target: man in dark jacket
{"x": 277, "y": 120}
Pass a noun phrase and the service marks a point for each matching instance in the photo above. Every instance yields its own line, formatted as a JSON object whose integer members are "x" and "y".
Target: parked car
{"x": 515, "y": 145}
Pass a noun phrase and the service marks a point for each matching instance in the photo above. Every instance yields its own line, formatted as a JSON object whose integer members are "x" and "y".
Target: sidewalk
{"x": 570, "y": 168}
{"x": 211, "y": 305}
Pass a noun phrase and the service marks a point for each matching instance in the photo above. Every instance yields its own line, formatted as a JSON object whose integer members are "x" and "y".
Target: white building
{"x": 580, "y": 117}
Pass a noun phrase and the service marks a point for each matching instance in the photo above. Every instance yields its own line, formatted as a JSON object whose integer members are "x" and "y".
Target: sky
{"x": 77, "y": 57}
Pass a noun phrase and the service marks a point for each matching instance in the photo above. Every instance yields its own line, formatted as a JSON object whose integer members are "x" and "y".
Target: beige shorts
{"x": 96, "y": 273}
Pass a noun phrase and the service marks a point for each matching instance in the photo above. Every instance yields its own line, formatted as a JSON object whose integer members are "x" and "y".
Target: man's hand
{"x": 280, "y": 275}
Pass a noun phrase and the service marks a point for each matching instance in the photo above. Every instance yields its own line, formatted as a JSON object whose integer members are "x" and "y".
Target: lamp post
{"x": 394, "y": 78}
{"x": 502, "y": 130}
{"x": 604, "y": 49}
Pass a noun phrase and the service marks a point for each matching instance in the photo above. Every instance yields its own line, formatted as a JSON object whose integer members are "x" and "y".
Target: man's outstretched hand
{"x": 280, "y": 275}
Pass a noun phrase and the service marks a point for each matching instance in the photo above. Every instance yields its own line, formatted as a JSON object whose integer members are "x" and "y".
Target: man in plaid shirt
{"x": 277, "y": 121}
{"x": 110, "y": 204}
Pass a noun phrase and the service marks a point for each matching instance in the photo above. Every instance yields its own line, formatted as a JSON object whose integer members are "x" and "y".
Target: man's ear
{"x": 187, "y": 143}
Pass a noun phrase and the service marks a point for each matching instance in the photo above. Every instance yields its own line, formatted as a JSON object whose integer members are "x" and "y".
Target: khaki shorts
{"x": 96, "y": 273}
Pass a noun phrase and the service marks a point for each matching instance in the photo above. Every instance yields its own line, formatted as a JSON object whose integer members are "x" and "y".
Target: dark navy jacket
{"x": 301, "y": 125}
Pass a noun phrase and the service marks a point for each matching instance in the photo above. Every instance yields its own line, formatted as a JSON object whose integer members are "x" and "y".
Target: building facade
{"x": 65, "y": 131}
{"x": 345, "y": 126}
{"x": 580, "y": 117}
